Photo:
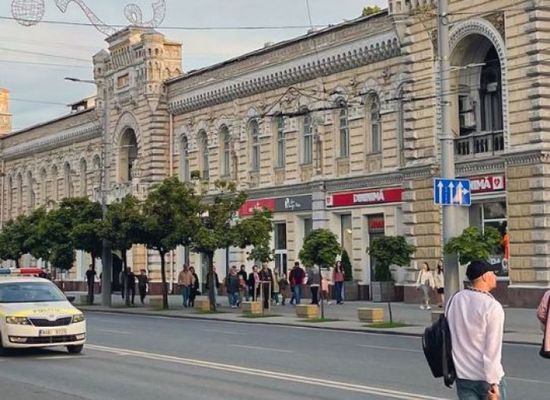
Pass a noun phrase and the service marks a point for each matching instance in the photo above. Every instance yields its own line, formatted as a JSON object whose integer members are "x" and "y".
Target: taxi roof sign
{"x": 22, "y": 271}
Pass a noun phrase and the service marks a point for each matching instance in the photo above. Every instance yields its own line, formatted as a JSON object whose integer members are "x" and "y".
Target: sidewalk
{"x": 521, "y": 324}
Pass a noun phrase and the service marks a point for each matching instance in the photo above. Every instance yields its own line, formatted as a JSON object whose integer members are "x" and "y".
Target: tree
{"x": 170, "y": 214}
{"x": 389, "y": 250}
{"x": 473, "y": 244}
{"x": 219, "y": 229}
{"x": 320, "y": 248}
{"x": 369, "y": 10}
{"x": 122, "y": 228}
{"x": 346, "y": 263}
{"x": 13, "y": 238}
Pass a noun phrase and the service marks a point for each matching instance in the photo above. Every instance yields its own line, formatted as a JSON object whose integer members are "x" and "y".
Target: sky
{"x": 34, "y": 60}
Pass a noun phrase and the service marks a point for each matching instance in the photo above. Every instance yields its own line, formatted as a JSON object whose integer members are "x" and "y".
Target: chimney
{"x": 5, "y": 116}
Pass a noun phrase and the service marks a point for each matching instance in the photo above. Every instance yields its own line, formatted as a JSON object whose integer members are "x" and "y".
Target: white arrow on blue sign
{"x": 452, "y": 192}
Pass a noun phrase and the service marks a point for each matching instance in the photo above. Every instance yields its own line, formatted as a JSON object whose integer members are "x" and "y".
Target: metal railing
{"x": 480, "y": 143}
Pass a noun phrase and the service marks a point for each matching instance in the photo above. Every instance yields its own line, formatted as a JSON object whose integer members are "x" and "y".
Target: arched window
{"x": 43, "y": 186}
{"x": 225, "y": 140}
{"x": 184, "y": 162}
{"x": 374, "y": 123}
{"x": 490, "y": 93}
{"x": 281, "y": 141}
{"x": 97, "y": 173}
{"x": 254, "y": 130}
{"x": 204, "y": 162}
{"x": 19, "y": 194}
{"x": 307, "y": 138}
{"x": 343, "y": 128}
{"x": 67, "y": 181}
{"x": 55, "y": 184}
{"x": 83, "y": 178}
{"x": 10, "y": 197}
{"x": 127, "y": 156}
{"x": 31, "y": 198}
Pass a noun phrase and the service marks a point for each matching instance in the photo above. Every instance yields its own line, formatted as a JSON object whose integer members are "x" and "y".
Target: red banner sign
{"x": 366, "y": 197}
{"x": 488, "y": 183}
{"x": 256, "y": 204}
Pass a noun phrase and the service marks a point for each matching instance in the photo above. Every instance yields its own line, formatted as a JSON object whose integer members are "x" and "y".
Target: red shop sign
{"x": 366, "y": 197}
{"x": 488, "y": 183}
{"x": 250, "y": 205}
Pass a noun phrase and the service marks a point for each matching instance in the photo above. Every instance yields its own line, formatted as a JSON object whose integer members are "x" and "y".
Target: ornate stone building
{"x": 336, "y": 128}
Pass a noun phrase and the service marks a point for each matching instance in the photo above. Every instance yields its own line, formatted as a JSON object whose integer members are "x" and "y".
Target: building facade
{"x": 334, "y": 129}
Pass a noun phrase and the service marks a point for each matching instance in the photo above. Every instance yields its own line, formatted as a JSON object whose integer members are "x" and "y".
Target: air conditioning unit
{"x": 467, "y": 120}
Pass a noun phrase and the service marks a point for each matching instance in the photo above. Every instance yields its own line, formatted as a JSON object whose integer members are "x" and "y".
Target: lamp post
{"x": 106, "y": 256}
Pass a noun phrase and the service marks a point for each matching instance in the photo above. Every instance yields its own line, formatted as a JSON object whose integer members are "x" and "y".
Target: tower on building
{"x": 5, "y": 116}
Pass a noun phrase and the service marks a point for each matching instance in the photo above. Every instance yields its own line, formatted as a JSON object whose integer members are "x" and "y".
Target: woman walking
{"x": 195, "y": 287}
{"x": 542, "y": 315}
{"x": 338, "y": 277}
{"x": 425, "y": 281}
{"x": 439, "y": 280}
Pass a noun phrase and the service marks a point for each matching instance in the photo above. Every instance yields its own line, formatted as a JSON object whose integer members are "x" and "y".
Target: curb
{"x": 284, "y": 324}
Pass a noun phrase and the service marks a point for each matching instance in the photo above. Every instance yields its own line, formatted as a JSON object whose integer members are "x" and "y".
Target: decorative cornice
{"x": 418, "y": 171}
{"x": 465, "y": 167}
{"x": 336, "y": 59}
{"x": 528, "y": 156}
{"x": 63, "y": 138}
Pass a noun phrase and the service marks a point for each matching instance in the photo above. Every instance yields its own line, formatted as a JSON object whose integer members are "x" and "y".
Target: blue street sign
{"x": 452, "y": 192}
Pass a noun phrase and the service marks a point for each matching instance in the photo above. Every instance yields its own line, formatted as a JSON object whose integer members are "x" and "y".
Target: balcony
{"x": 484, "y": 143}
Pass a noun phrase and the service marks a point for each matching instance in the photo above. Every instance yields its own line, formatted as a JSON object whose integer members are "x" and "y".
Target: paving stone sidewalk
{"x": 521, "y": 324}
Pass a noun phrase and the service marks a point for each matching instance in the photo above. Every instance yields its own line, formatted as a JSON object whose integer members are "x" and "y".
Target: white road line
{"x": 112, "y": 331}
{"x": 386, "y": 393}
{"x": 242, "y": 346}
{"x": 513, "y": 378}
{"x": 389, "y": 348}
{"x": 56, "y": 357}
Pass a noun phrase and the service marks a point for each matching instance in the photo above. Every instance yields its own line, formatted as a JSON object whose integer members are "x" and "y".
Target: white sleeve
{"x": 492, "y": 353}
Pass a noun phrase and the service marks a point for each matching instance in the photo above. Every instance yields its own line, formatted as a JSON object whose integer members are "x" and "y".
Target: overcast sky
{"x": 34, "y": 86}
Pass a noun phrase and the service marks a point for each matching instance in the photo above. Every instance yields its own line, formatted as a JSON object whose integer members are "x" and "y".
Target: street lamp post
{"x": 106, "y": 256}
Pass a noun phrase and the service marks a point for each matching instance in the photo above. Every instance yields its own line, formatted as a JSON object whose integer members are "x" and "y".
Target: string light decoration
{"x": 31, "y": 12}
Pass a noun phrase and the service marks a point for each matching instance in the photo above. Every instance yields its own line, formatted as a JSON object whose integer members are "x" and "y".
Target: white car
{"x": 35, "y": 313}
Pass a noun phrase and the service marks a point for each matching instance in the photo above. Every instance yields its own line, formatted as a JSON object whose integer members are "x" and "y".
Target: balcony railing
{"x": 480, "y": 143}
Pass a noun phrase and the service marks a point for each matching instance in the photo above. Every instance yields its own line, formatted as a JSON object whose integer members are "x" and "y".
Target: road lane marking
{"x": 386, "y": 393}
{"x": 513, "y": 378}
{"x": 224, "y": 332}
{"x": 56, "y": 357}
{"x": 112, "y": 331}
{"x": 242, "y": 346}
{"x": 370, "y": 346}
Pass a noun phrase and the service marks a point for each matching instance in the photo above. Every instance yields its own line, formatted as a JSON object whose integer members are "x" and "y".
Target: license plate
{"x": 52, "y": 332}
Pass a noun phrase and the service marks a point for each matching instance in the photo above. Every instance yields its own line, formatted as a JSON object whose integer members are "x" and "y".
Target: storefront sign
{"x": 279, "y": 204}
{"x": 488, "y": 183}
{"x": 365, "y": 197}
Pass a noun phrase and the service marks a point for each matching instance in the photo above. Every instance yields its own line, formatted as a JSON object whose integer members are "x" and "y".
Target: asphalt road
{"x": 134, "y": 357}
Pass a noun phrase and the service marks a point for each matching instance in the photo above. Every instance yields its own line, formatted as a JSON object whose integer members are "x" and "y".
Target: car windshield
{"x": 30, "y": 292}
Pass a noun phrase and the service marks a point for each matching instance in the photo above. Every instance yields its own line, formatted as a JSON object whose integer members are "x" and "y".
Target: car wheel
{"x": 76, "y": 349}
{"x": 3, "y": 350}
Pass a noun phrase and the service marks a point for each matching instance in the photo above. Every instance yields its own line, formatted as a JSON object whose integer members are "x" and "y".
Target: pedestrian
{"x": 143, "y": 281}
{"x": 439, "y": 282}
{"x": 275, "y": 293}
{"x": 284, "y": 287}
{"x": 266, "y": 279}
{"x": 425, "y": 281}
{"x": 185, "y": 282}
{"x": 195, "y": 287}
{"x": 122, "y": 279}
{"x": 325, "y": 283}
{"x": 232, "y": 286}
{"x": 314, "y": 282}
{"x": 90, "y": 281}
{"x": 214, "y": 291}
{"x": 296, "y": 280}
{"x": 542, "y": 315}
{"x": 338, "y": 277}
{"x": 131, "y": 277}
{"x": 242, "y": 274}
{"x": 254, "y": 283}
{"x": 476, "y": 323}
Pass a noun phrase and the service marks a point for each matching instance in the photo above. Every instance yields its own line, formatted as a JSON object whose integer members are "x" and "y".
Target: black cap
{"x": 477, "y": 268}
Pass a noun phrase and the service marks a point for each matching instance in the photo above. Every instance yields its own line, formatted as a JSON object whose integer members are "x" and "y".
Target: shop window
{"x": 281, "y": 253}
{"x": 308, "y": 226}
{"x": 346, "y": 232}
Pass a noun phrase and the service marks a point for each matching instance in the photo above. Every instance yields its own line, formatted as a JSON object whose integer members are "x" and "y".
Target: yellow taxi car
{"x": 35, "y": 313}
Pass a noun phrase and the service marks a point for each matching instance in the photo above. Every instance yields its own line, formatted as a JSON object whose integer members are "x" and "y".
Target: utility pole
{"x": 449, "y": 223}
{"x": 106, "y": 255}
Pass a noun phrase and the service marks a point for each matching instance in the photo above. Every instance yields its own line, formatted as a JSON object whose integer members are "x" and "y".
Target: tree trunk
{"x": 125, "y": 278}
{"x": 211, "y": 281}
{"x": 164, "y": 285}
{"x": 17, "y": 263}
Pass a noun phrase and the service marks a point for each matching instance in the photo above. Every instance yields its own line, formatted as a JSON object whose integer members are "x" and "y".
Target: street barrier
{"x": 202, "y": 304}
{"x": 252, "y": 307}
{"x": 370, "y": 315}
{"x": 307, "y": 311}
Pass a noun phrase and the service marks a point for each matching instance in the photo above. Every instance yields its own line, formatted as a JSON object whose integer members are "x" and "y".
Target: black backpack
{"x": 437, "y": 346}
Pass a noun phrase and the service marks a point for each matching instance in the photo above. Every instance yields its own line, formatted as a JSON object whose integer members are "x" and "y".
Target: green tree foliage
{"x": 388, "y": 250}
{"x": 370, "y": 10}
{"x": 473, "y": 244}
{"x": 170, "y": 214}
{"x": 218, "y": 228}
{"x": 320, "y": 247}
{"x": 13, "y": 238}
{"x": 346, "y": 263}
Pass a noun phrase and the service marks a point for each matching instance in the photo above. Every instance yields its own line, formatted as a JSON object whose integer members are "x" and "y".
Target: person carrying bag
{"x": 543, "y": 315}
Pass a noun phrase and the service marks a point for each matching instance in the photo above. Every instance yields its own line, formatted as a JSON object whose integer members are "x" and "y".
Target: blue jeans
{"x": 477, "y": 390}
{"x": 338, "y": 291}
{"x": 186, "y": 292}
{"x": 296, "y": 294}
{"x": 233, "y": 298}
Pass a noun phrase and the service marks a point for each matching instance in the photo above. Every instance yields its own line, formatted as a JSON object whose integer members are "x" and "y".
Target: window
{"x": 203, "y": 141}
{"x": 83, "y": 178}
{"x": 490, "y": 94}
{"x": 19, "y": 194}
{"x": 43, "y": 187}
{"x": 30, "y": 191}
{"x": 10, "y": 197}
{"x": 255, "y": 145}
{"x": 344, "y": 129}
{"x": 67, "y": 181}
{"x": 226, "y": 151}
{"x": 281, "y": 144}
{"x": 375, "y": 124}
{"x": 400, "y": 128}
{"x": 308, "y": 226}
{"x": 184, "y": 159}
{"x": 307, "y": 154}
{"x": 55, "y": 184}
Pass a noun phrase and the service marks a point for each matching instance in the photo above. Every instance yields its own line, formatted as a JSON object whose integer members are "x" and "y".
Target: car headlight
{"x": 78, "y": 318}
{"x": 18, "y": 321}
